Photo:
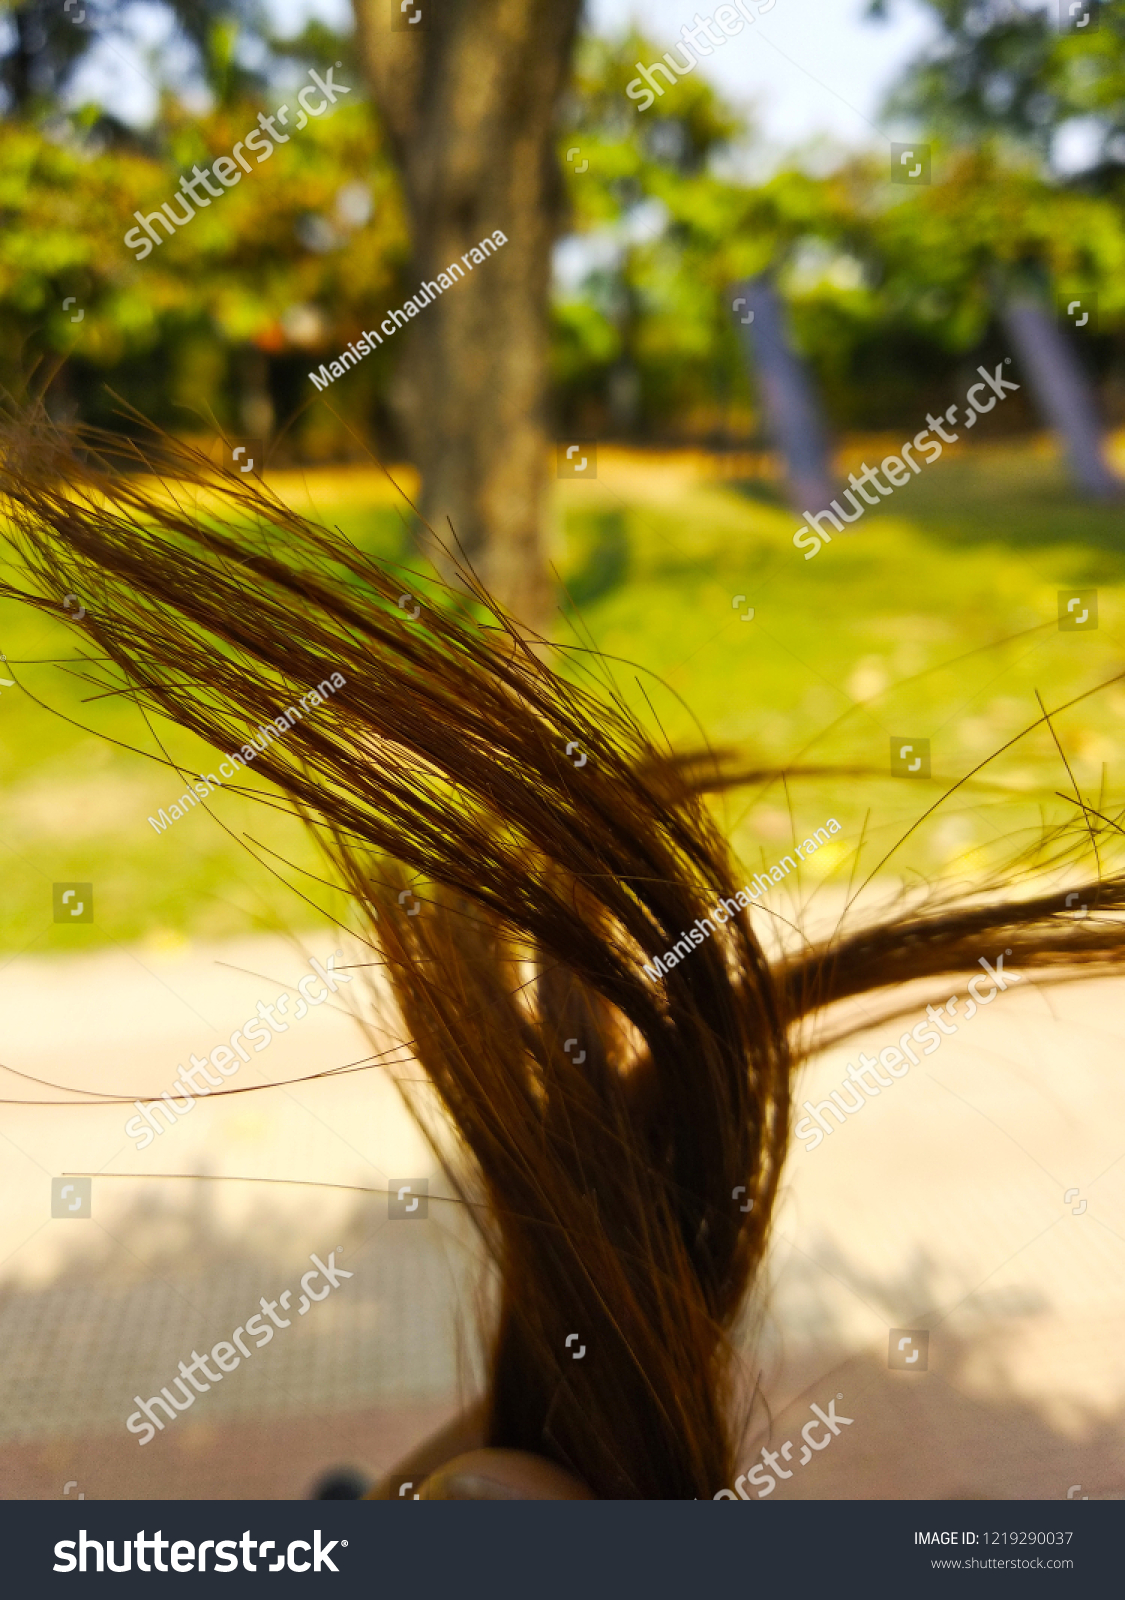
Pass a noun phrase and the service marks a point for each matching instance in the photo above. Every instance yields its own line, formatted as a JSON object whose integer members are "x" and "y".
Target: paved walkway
{"x": 942, "y": 1207}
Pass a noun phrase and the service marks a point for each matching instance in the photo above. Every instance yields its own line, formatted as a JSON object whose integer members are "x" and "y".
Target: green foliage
{"x": 1008, "y": 69}
{"x": 901, "y": 285}
{"x": 888, "y": 288}
{"x": 682, "y": 130}
{"x": 283, "y": 263}
{"x": 217, "y": 40}
{"x": 42, "y": 48}
{"x": 654, "y": 314}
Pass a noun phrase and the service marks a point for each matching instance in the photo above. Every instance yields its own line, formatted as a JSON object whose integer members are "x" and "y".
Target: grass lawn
{"x": 936, "y": 619}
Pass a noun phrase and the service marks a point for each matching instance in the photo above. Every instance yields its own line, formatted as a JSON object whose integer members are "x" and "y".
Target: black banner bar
{"x": 575, "y": 1551}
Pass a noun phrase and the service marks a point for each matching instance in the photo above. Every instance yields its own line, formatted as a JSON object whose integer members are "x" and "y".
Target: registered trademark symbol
{"x": 343, "y": 1542}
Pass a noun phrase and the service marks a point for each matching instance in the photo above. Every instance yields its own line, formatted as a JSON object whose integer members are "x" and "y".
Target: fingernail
{"x": 467, "y": 1486}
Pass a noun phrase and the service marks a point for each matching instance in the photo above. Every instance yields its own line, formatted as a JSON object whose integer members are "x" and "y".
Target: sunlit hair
{"x": 622, "y": 1139}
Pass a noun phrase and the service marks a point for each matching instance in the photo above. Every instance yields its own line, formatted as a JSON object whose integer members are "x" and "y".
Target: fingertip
{"x": 502, "y": 1475}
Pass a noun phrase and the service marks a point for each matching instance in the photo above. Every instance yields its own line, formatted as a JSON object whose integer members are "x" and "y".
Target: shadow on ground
{"x": 954, "y": 1425}
{"x": 390, "y": 1354}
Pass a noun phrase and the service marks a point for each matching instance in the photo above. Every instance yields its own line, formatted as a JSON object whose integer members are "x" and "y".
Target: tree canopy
{"x": 888, "y": 288}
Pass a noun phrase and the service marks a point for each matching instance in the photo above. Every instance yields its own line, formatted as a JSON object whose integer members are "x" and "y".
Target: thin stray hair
{"x": 607, "y": 1125}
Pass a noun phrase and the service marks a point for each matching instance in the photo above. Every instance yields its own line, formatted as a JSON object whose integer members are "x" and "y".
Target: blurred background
{"x": 724, "y": 287}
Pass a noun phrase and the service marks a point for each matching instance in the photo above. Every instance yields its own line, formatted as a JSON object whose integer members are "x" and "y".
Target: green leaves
{"x": 238, "y": 267}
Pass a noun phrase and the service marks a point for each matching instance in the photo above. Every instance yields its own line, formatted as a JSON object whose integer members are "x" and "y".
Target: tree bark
{"x": 1063, "y": 393}
{"x": 29, "y": 40}
{"x": 791, "y": 404}
{"x": 470, "y": 105}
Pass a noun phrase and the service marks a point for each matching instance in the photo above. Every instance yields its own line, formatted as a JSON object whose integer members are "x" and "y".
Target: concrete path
{"x": 942, "y": 1207}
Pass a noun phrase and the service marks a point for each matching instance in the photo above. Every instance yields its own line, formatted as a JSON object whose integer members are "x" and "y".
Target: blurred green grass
{"x": 937, "y": 619}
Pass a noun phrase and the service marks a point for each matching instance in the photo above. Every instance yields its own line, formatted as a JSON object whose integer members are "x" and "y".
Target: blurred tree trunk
{"x": 1063, "y": 393}
{"x": 469, "y": 101}
{"x": 29, "y": 39}
{"x": 789, "y": 396}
